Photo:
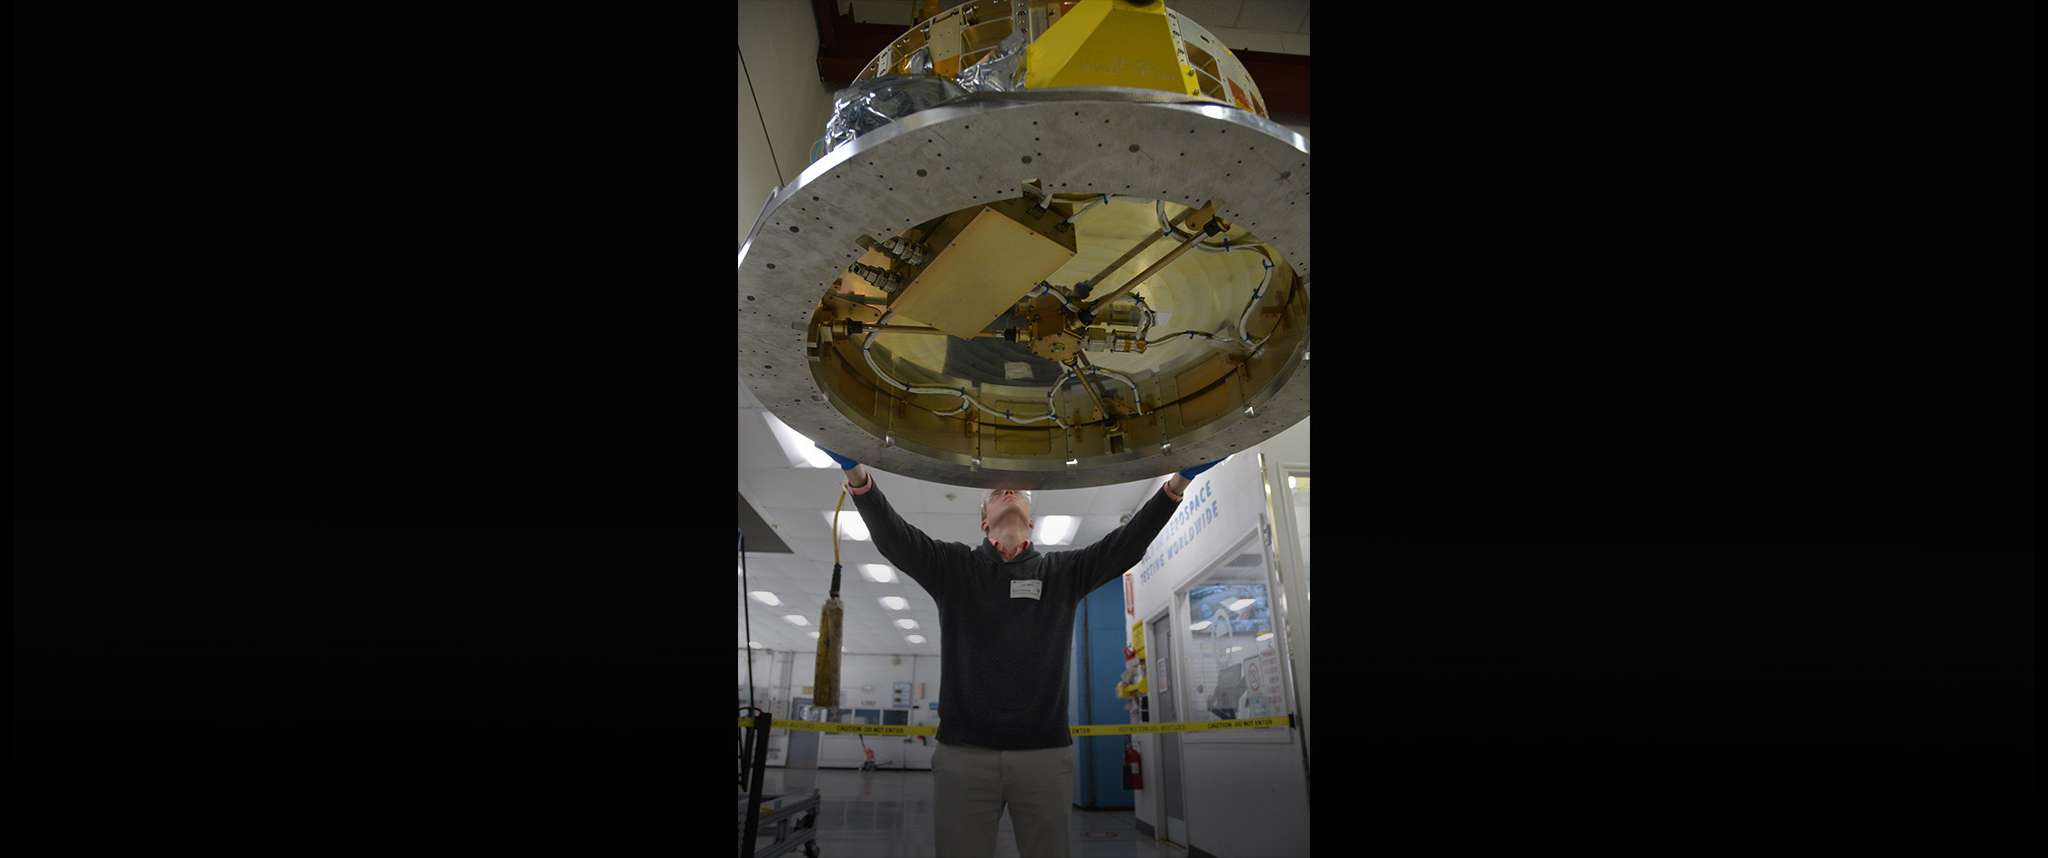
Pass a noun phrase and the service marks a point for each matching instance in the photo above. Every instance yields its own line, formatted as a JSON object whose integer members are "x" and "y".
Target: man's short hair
{"x": 1029, "y": 501}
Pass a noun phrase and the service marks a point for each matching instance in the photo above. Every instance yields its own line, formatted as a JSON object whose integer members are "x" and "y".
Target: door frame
{"x": 1164, "y": 829}
{"x": 1295, "y": 617}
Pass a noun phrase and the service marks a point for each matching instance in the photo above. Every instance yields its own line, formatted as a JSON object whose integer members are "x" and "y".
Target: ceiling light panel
{"x": 850, "y": 525}
{"x": 799, "y": 450}
{"x": 1056, "y": 529}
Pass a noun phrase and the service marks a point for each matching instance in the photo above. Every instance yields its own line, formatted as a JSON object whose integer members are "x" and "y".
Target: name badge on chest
{"x": 1030, "y": 588}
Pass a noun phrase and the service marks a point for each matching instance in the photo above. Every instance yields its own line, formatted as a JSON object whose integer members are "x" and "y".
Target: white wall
{"x": 879, "y": 673}
{"x": 1290, "y": 445}
{"x": 882, "y": 673}
{"x": 778, "y": 58}
{"x": 1244, "y": 798}
{"x": 755, "y": 168}
{"x": 768, "y": 676}
{"x": 855, "y": 671}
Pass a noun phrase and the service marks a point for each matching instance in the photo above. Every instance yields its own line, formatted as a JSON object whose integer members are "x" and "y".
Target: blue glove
{"x": 845, "y": 464}
{"x": 1191, "y": 473}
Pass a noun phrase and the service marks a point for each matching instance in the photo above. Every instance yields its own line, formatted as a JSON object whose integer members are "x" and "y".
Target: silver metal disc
{"x": 940, "y": 160}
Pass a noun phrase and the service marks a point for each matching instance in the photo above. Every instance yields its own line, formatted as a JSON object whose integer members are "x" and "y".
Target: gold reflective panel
{"x": 1048, "y": 376}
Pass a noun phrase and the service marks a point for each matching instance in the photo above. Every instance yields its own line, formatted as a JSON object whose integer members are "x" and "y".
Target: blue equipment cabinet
{"x": 1098, "y": 662}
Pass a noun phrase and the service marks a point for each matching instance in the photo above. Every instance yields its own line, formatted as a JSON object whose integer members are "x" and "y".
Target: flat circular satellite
{"x": 1020, "y": 265}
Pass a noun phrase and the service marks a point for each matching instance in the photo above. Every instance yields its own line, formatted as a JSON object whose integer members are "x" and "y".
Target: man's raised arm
{"x": 907, "y": 548}
{"x": 1116, "y": 553}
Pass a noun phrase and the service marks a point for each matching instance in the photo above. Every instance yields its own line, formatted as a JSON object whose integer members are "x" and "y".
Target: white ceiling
{"x": 795, "y": 499}
{"x": 1275, "y": 26}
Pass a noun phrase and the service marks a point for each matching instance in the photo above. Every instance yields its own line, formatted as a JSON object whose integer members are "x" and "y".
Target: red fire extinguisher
{"x": 1134, "y": 776}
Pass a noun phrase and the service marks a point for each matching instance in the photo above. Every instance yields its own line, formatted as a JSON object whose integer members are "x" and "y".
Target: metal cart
{"x": 792, "y": 820}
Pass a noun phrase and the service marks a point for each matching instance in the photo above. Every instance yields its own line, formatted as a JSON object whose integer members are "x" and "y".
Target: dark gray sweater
{"x": 1004, "y": 656}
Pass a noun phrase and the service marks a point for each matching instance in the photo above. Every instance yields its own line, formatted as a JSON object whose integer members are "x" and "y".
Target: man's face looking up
{"x": 1002, "y": 505}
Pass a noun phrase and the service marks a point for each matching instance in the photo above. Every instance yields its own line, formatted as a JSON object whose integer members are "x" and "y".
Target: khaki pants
{"x": 972, "y": 785}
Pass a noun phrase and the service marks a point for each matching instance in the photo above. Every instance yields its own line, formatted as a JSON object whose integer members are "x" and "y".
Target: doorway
{"x": 1174, "y": 801}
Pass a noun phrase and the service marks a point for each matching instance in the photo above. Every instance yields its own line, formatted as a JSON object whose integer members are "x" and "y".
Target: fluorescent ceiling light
{"x": 796, "y": 619}
{"x": 906, "y": 623}
{"x": 755, "y": 645}
{"x": 801, "y": 451}
{"x": 766, "y": 598}
{"x": 878, "y": 573}
{"x": 1241, "y": 604}
{"x": 1056, "y": 529}
{"x": 914, "y": 638}
{"x": 894, "y": 603}
{"x": 850, "y": 525}
{"x": 814, "y": 635}
{"x": 1199, "y": 626}
{"x": 1264, "y": 637}
{"x": 1233, "y": 649}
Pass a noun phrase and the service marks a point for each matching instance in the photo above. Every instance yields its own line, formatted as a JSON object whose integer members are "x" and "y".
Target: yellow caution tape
{"x": 1079, "y": 730}
{"x": 1180, "y": 726}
